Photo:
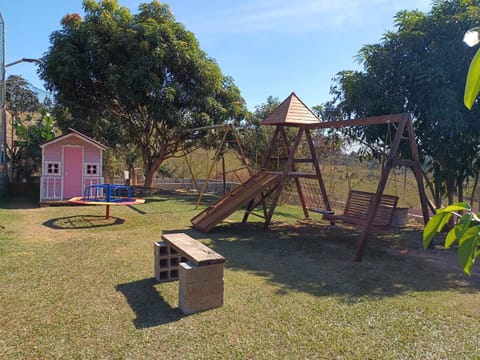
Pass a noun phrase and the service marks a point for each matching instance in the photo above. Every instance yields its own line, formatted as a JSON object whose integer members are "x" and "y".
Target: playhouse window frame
{"x": 53, "y": 168}
{"x": 92, "y": 169}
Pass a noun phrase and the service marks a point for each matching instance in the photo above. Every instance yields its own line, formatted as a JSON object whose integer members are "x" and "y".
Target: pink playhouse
{"x": 70, "y": 163}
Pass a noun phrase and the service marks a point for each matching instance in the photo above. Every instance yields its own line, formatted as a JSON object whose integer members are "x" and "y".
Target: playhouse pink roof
{"x": 292, "y": 111}
{"x": 73, "y": 132}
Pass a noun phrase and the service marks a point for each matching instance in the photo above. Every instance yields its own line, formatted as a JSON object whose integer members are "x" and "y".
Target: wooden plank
{"x": 374, "y": 120}
{"x": 234, "y": 200}
{"x": 357, "y": 209}
{"x": 194, "y": 250}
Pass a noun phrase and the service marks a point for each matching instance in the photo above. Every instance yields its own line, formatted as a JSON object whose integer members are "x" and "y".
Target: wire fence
{"x": 340, "y": 175}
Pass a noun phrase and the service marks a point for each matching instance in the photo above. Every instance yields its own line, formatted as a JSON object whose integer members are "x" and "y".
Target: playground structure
{"x": 106, "y": 195}
{"x": 228, "y": 129}
{"x": 266, "y": 187}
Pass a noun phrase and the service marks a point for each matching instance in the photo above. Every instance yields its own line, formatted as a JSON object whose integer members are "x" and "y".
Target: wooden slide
{"x": 234, "y": 200}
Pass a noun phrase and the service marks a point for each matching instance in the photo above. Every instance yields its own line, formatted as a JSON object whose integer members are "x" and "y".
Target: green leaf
{"x": 461, "y": 206}
{"x": 451, "y": 237}
{"x": 472, "y": 85}
{"x": 433, "y": 226}
{"x": 446, "y": 218}
{"x": 459, "y": 230}
{"x": 467, "y": 248}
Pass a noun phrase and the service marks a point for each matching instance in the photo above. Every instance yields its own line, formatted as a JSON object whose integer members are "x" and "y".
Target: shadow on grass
{"x": 180, "y": 198}
{"x": 318, "y": 260}
{"x": 22, "y": 202}
{"x": 82, "y": 222}
{"x": 149, "y": 307}
{"x": 136, "y": 209}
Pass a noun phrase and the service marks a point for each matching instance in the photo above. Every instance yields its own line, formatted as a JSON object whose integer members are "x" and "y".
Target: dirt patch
{"x": 402, "y": 242}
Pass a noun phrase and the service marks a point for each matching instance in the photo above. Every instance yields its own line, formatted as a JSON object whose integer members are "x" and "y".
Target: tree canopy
{"x": 136, "y": 80}
{"x": 256, "y": 138}
{"x": 419, "y": 68}
{"x": 20, "y": 97}
{"x": 26, "y": 134}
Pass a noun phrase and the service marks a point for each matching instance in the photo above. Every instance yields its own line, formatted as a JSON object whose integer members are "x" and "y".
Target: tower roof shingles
{"x": 292, "y": 111}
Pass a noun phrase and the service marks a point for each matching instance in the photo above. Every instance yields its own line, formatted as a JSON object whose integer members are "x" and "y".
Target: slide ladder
{"x": 234, "y": 200}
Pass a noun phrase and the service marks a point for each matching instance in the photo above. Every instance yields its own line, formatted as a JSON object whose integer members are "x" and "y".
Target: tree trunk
{"x": 433, "y": 188}
{"x": 474, "y": 190}
{"x": 149, "y": 174}
{"x": 460, "y": 189}
{"x": 151, "y": 170}
{"x": 450, "y": 196}
{"x": 450, "y": 191}
{"x": 438, "y": 194}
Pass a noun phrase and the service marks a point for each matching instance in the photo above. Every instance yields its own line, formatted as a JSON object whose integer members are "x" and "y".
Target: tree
{"x": 22, "y": 102}
{"x": 467, "y": 229}
{"x": 20, "y": 97}
{"x": 420, "y": 68}
{"x": 136, "y": 79}
{"x": 255, "y": 138}
{"x": 31, "y": 134}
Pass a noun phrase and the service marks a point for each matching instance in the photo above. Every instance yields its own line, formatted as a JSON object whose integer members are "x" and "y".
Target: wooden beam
{"x": 288, "y": 167}
{"x": 373, "y": 120}
{"x": 418, "y": 173}
{"x": 381, "y": 187}
{"x": 318, "y": 173}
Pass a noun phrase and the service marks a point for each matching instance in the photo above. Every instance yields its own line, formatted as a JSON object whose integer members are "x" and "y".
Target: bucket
{"x": 400, "y": 217}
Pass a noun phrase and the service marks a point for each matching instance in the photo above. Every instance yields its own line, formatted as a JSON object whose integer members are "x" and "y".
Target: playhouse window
{"x": 53, "y": 168}
{"x": 91, "y": 169}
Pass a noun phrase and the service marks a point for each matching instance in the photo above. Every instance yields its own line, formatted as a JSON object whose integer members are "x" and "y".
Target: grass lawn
{"x": 77, "y": 286}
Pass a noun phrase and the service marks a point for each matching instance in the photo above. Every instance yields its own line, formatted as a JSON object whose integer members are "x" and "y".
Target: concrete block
{"x": 190, "y": 306}
{"x": 165, "y": 262}
{"x": 200, "y": 289}
{"x": 161, "y": 249}
{"x": 190, "y": 273}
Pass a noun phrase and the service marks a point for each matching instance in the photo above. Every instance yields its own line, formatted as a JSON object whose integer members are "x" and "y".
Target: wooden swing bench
{"x": 357, "y": 208}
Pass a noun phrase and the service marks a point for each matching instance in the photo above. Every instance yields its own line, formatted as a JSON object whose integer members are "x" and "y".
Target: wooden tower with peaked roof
{"x": 293, "y": 113}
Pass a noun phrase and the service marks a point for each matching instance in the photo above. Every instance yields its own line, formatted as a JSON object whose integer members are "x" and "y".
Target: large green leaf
{"x": 459, "y": 230}
{"x": 433, "y": 226}
{"x": 466, "y": 248}
{"x": 472, "y": 85}
{"x": 460, "y": 206}
{"x": 446, "y": 218}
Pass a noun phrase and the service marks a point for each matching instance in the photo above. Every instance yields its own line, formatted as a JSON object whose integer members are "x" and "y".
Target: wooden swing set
{"x": 363, "y": 209}
{"x": 264, "y": 188}
{"x": 226, "y": 141}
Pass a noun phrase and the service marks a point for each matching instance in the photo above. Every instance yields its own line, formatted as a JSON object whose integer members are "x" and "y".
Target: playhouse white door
{"x": 72, "y": 171}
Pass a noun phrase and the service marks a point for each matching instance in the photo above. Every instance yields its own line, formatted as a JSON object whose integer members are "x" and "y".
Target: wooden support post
{"x": 296, "y": 180}
{"x": 240, "y": 149}
{"x": 266, "y": 162}
{"x": 210, "y": 171}
{"x": 417, "y": 171}
{"x": 268, "y": 155}
{"x": 381, "y": 187}
{"x": 323, "y": 190}
{"x": 288, "y": 166}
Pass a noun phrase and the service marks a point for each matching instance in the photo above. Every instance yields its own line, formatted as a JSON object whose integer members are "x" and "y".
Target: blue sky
{"x": 269, "y": 47}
